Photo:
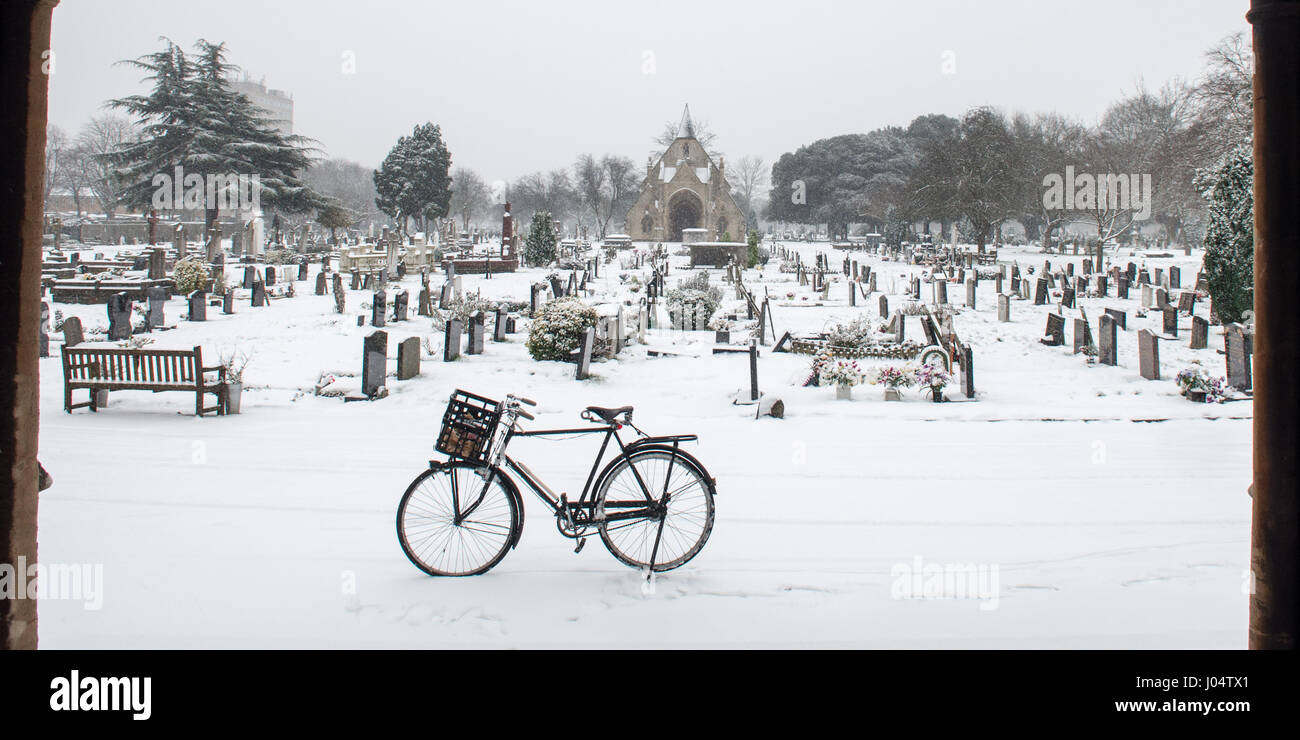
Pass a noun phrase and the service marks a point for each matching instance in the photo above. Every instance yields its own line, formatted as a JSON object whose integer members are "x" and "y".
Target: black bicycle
{"x": 652, "y": 504}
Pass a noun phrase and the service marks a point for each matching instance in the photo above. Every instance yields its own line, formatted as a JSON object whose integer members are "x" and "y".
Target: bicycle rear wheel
{"x": 671, "y": 526}
{"x": 442, "y": 543}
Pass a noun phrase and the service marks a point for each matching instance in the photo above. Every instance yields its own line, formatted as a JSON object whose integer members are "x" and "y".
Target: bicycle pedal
{"x": 582, "y": 542}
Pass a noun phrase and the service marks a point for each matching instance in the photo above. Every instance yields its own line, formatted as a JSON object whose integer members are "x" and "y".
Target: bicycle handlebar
{"x": 528, "y": 401}
{"x": 525, "y": 414}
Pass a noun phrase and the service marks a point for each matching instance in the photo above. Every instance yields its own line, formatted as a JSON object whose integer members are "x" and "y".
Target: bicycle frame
{"x": 561, "y": 506}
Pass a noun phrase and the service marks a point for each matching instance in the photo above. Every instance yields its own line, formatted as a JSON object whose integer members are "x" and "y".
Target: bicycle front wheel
{"x": 654, "y": 506}
{"x": 453, "y": 522}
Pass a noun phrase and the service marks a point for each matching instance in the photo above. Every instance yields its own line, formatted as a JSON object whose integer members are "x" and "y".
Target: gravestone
{"x": 368, "y": 282}
{"x": 451, "y": 340}
{"x": 157, "y": 263}
{"x": 1170, "y": 321}
{"x": 259, "y": 294}
{"x": 1200, "y": 333}
{"x": 1238, "y": 346}
{"x": 156, "y": 315}
{"x": 408, "y": 358}
{"x": 1082, "y": 335}
{"x": 1147, "y": 297}
{"x": 1175, "y": 277}
{"x": 72, "y": 333}
{"x": 871, "y": 283}
{"x": 1054, "y": 334}
{"x": 997, "y": 284}
{"x": 250, "y": 277}
{"x": 499, "y": 325}
{"x": 1004, "y": 308}
{"x": 44, "y": 336}
{"x": 853, "y": 294}
{"x": 1067, "y": 297}
{"x": 356, "y": 281}
{"x": 476, "y": 331}
{"x": 1102, "y": 287}
{"x": 302, "y": 270}
{"x": 1160, "y": 276}
{"x": 379, "y": 308}
{"x": 1120, "y": 317}
{"x": 374, "y": 363}
{"x": 1148, "y": 355}
{"x": 270, "y": 275}
{"x": 1187, "y": 302}
{"x": 119, "y": 317}
{"x": 1107, "y": 347}
{"x": 228, "y": 301}
{"x": 322, "y": 284}
{"x": 401, "y": 303}
{"x": 1162, "y": 299}
{"x": 970, "y": 294}
{"x": 198, "y": 305}
{"x": 425, "y": 307}
{"x": 900, "y": 327}
{"x": 1121, "y": 288}
{"x": 941, "y": 292}
{"x": 967, "y": 371}
{"x": 584, "y": 353}
{"x": 340, "y": 299}
{"x": 884, "y": 306}
{"x": 445, "y": 295}
{"x": 1040, "y": 294}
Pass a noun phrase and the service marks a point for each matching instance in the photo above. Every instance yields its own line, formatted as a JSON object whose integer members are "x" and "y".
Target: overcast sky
{"x": 525, "y": 86}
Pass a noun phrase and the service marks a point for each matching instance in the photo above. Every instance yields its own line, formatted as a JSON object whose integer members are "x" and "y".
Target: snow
{"x": 1114, "y": 511}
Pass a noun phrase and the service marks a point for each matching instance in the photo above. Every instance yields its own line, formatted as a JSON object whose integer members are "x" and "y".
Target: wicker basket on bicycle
{"x": 468, "y": 426}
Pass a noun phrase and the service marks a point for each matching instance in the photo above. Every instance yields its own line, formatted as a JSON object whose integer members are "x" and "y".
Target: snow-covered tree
{"x": 469, "y": 195}
{"x": 1230, "y": 234}
{"x": 194, "y": 119}
{"x": 414, "y": 180}
{"x": 539, "y": 245}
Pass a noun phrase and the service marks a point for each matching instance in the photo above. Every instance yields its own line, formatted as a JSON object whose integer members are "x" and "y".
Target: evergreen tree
{"x": 1230, "y": 235}
{"x": 414, "y": 180}
{"x": 752, "y": 256}
{"x": 194, "y": 120}
{"x": 539, "y": 245}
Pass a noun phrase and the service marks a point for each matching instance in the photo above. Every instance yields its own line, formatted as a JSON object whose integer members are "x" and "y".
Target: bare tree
{"x": 1224, "y": 95}
{"x": 101, "y": 137}
{"x": 605, "y": 186}
{"x": 469, "y": 195}
{"x": 348, "y": 183}
{"x": 672, "y": 129}
{"x": 56, "y": 149}
{"x": 749, "y": 179}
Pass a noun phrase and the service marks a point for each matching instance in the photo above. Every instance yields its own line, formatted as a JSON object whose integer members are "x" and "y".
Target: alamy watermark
{"x": 1104, "y": 191}
{"x": 229, "y": 191}
{"x": 922, "y": 580}
{"x": 64, "y": 581}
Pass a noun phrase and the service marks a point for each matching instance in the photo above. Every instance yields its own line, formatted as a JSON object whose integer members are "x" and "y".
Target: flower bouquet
{"x": 894, "y": 379}
{"x": 843, "y": 374}
{"x": 935, "y": 378}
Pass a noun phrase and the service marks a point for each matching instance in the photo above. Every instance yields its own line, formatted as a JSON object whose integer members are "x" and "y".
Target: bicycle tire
{"x": 631, "y": 540}
{"x": 444, "y": 548}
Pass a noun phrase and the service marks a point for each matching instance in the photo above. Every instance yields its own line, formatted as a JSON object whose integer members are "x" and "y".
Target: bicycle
{"x": 652, "y": 504}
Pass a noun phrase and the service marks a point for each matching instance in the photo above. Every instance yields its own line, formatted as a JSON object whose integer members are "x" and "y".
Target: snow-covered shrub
{"x": 856, "y": 333}
{"x": 219, "y": 281}
{"x": 1230, "y": 234}
{"x": 190, "y": 275}
{"x": 461, "y": 308}
{"x": 558, "y": 328}
{"x": 694, "y": 297}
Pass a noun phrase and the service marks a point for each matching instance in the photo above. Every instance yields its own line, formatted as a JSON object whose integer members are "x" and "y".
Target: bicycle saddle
{"x": 609, "y": 415}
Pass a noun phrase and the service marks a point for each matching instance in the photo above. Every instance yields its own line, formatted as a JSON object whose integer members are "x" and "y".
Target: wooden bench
{"x": 157, "y": 370}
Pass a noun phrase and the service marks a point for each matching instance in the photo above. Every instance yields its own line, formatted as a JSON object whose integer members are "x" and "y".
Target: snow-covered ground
{"x": 1101, "y": 510}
